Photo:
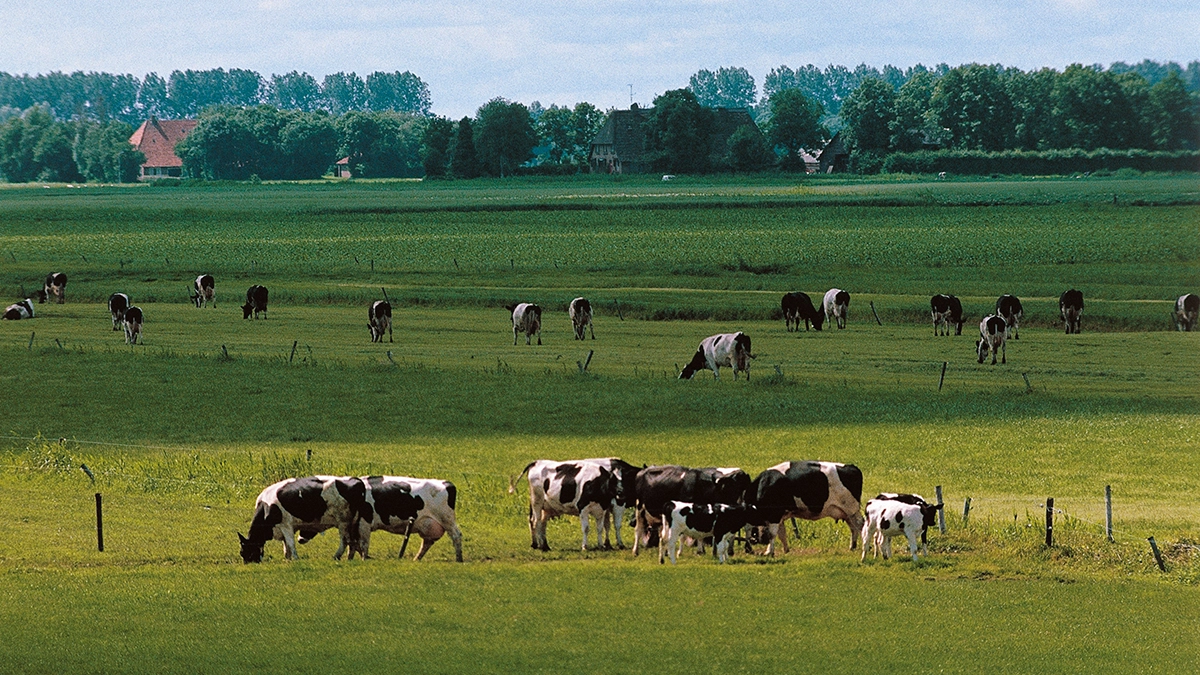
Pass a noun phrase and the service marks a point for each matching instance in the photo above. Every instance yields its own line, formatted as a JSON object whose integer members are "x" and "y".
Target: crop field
{"x": 182, "y": 432}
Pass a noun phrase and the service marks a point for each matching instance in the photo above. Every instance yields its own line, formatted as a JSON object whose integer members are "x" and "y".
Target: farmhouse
{"x": 835, "y": 158}
{"x": 156, "y": 140}
{"x": 620, "y": 145}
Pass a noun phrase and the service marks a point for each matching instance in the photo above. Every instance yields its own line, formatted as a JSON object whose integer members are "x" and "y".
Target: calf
{"x": 626, "y": 495}
{"x": 797, "y": 307}
{"x": 946, "y": 310}
{"x": 808, "y": 490}
{"x": 204, "y": 291}
{"x": 1187, "y": 308}
{"x": 722, "y": 522}
{"x": 306, "y": 505}
{"x": 657, "y": 485}
{"x": 723, "y": 349}
{"x": 1008, "y": 307}
{"x": 256, "y": 301}
{"x": 117, "y": 304}
{"x": 379, "y": 320}
{"x": 890, "y": 514}
{"x": 19, "y": 310}
{"x": 55, "y": 285}
{"x": 405, "y": 506}
{"x": 581, "y": 317}
{"x": 133, "y": 324}
{"x": 574, "y": 488}
{"x": 837, "y": 306}
{"x": 526, "y": 318}
{"x": 992, "y": 336}
{"x": 1070, "y": 308}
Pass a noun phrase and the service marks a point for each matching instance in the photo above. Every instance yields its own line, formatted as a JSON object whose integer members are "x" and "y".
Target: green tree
{"x": 867, "y": 115}
{"x": 295, "y": 91}
{"x": 678, "y": 133}
{"x": 748, "y": 150}
{"x": 1092, "y": 110}
{"x": 795, "y": 126}
{"x": 36, "y": 147}
{"x": 464, "y": 162}
{"x": 399, "y": 92}
{"x": 971, "y": 102}
{"x": 382, "y": 144}
{"x": 344, "y": 92}
{"x": 221, "y": 147}
{"x": 308, "y": 145}
{"x": 435, "y": 146}
{"x": 911, "y": 124}
{"x": 726, "y": 88}
{"x": 103, "y": 152}
{"x": 505, "y": 138}
{"x": 1172, "y": 116}
{"x": 1035, "y": 126}
{"x": 152, "y": 97}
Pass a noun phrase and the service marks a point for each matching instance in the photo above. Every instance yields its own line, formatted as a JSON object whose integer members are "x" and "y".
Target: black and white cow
{"x": 581, "y": 317}
{"x": 1008, "y": 307}
{"x": 809, "y": 490}
{"x": 837, "y": 306}
{"x": 406, "y": 506}
{"x": 798, "y": 307}
{"x": 574, "y": 488}
{"x": 55, "y": 285}
{"x": 890, "y": 514}
{"x": 1187, "y": 309}
{"x": 19, "y": 310}
{"x": 723, "y": 349}
{"x": 133, "y": 320}
{"x": 307, "y": 506}
{"x": 626, "y": 496}
{"x": 204, "y": 291}
{"x": 117, "y": 304}
{"x": 379, "y": 320}
{"x": 256, "y": 301}
{"x": 946, "y": 310}
{"x": 657, "y": 485}
{"x": 526, "y": 318}
{"x": 721, "y": 522}
{"x": 992, "y": 336}
{"x": 1070, "y": 309}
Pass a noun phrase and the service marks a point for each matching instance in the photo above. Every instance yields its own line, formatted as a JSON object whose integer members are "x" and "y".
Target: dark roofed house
{"x": 620, "y": 145}
{"x": 156, "y": 140}
{"x": 835, "y": 158}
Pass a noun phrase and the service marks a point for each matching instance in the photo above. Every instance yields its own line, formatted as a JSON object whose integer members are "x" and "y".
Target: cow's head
{"x": 511, "y": 308}
{"x": 929, "y": 513}
{"x": 252, "y": 551}
{"x": 958, "y": 327}
{"x": 247, "y": 310}
{"x": 697, "y": 363}
{"x": 818, "y": 320}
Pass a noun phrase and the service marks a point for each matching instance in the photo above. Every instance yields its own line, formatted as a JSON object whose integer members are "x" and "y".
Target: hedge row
{"x": 1048, "y": 162}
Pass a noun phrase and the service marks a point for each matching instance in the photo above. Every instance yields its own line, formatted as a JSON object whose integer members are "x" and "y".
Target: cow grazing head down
{"x": 256, "y": 302}
{"x": 1187, "y": 311}
{"x": 526, "y": 318}
{"x": 19, "y": 310}
{"x": 1070, "y": 309}
{"x": 722, "y": 522}
{"x": 581, "y": 317}
{"x": 379, "y": 320}
{"x": 1008, "y": 307}
{"x": 992, "y": 337}
{"x": 731, "y": 350}
{"x": 798, "y": 307}
{"x": 133, "y": 324}
{"x": 204, "y": 291}
{"x": 946, "y": 311}
{"x": 304, "y": 506}
{"x": 117, "y": 304}
{"x": 56, "y": 287}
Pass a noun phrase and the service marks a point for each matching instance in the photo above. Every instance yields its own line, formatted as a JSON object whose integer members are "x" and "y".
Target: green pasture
{"x": 181, "y": 432}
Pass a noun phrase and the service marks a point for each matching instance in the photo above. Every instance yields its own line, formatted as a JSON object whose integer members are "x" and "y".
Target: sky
{"x": 583, "y": 50}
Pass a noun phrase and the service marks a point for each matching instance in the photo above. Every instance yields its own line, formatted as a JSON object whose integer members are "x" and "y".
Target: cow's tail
{"x": 512, "y": 482}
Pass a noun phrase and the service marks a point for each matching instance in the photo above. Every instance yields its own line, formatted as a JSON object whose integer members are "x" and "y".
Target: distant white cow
{"x": 133, "y": 324}
{"x": 55, "y": 286}
{"x": 837, "y": 306}
{"x": 19, "y": 310}
{"x": 992, "y": 336}
{"x": 890, "y": 515}
{"x": 722, "y": 349}
{"x": 581, "y": 317}
{"x": 526, "y": 318}
{"x": 379, "y": 320}
{"x": 204, "y": 291}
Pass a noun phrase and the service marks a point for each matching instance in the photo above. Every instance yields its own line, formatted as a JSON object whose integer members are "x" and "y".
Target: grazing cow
{"x": 946, "y": 310}
{"x": 256, "y": 301}
{"x": 574, "y": 488}
{"x": 626, "y": 496}
{"x": 1070, "y": 309}
{"x": 837, "y": 306}
{"x": 1187, "y": 308}
{"x": 305, "y": 505}
{"x": 1008, "y": 307}
{"x": 406, "y": 506}
{"x": 992, "y": 336}
{"x": 379, "y": 320}
{"x": 657, "y": 485}
{"x": 808, "y": 490}
{"x": 722, "y": 522}
{"x": 723, "y": 349}
{"x": 55, "y": 285}
{"x": 526, "y": 318}
{"x": 890, "y": 514}
{"x": 204, "y": 291}
{"x": 117, "y": 304}
{"x": 19, "y": 310}
{"x": 581, "y": 317}
{"x": 133, "y": 324}
{"x": 797, "y": 307}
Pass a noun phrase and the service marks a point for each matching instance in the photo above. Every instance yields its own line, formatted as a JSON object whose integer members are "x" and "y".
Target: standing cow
{"x": 1008, "y": 307}
{"x": 657, "y": 485}
{"x": 809, "y": 490}
{"x": 946, "y": 310}
{"x": 306, "y": 506}
{"x": 379, "y": 320}
{"x": 1187, "y": 308}
{"x": 204, "y": 291}
{"x": 133, "y": 324}
{"x": 721, "y": 522}
{"x": 256, "y": 301}
{"x": 837, "y": 306}
{"x": 723, "y": 349}
{"x": 890, "y": 514}
{"x": 1070, "y": 309}
{"x": 992, "y": 337}
{"x": 581, "y": 317}
{"x": 19, "y": 310}
{"x": 56, "y": 286}
{"x": 574, "y": 488}
{"x": 407, "y": 506}
{"x": 626, "y": 495}
{"x": 797, "y": 307}
{"x": 526, "y": 318}
{"x": 117, "y": 304}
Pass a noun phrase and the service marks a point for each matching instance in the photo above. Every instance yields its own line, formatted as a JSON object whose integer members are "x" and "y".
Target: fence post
{"x": 941, "y": 511}
{"x": 966, "y": 510}
{"x": 875, "y": 313}
{"x": 942, "y": 379}
{"x": 1157, "y": 556}
{"x": 1049, "y": 521}
{"x": 1108, "y": 511}
{"x": 99, "y": 524}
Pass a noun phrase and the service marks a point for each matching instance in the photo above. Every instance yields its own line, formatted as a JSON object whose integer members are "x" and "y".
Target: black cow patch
{"x": 775, "y": 493}
{"x": 566, "y": 475}
{"x": 451, "y": 495}
{"x": 851, "y": 477}
{"x": 394, "y": 500}
{"x": 302, "y": 498}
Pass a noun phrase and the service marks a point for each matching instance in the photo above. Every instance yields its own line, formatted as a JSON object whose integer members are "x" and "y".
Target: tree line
{"x": 35, "y": 146}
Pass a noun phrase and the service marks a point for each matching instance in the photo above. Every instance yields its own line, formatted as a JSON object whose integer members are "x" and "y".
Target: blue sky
{"x": 564, "y": 52}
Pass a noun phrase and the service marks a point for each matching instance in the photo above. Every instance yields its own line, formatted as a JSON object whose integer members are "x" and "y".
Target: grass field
{"x": 182, "y": 434}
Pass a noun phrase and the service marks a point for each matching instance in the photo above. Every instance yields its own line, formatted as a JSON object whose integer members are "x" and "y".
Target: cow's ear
{"x": 241, "y": 538}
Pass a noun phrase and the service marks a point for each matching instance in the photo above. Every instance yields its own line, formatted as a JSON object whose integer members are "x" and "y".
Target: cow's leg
{"x": 583, "y": 524}
{"x": 912, "y": 542}
{"x": 618, "y": 514}
{"x": 456, "y": 539}
{"x": 639, "y": 529}
{"x": 539, "y": 332}
{"x": 541, "y": 531}
{"x": 592, "y": 329}
{"x": 662, "y": 545}
{"x": 772, "y": 535}
{"x": 343, "y": 537}
{"x": 426, "y": 544}
{"x": 783, "y": 540}
{"x": 389, "y": 333}
{"x": 866, "y": 535}
{"x": 289, "y": 544}
{"x": 515, "y": 336}
{"x": 1003, "y": 353}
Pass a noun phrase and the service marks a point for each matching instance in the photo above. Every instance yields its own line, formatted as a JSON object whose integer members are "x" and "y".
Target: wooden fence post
{"x": 99, "y": 524}
{"x": 1157, "y": 556}
{"x": 966, "y": 510}
{"x": 1108, "y": 511}
{"x": 1049, "y": 521}
{"x": 942, "y": 379}
{"x": 941, "y": 511}
{"x": 875, "y": 313}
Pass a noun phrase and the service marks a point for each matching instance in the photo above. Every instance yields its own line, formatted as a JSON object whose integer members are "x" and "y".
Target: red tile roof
{"x": 157, "y": 138}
